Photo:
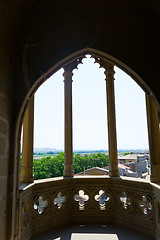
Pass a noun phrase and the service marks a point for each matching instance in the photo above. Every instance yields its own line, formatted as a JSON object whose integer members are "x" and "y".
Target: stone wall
{"x": 5, "y": 131}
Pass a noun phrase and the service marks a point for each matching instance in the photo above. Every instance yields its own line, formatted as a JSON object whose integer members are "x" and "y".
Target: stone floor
{"x": 92, "y": 232}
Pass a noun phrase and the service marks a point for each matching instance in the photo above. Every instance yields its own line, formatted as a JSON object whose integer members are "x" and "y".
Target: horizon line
{"x": 107, "y": 150}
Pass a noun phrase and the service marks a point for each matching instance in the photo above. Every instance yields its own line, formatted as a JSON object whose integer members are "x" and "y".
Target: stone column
{"x": 112, "y": 138}
{"x": 68, "y": 69}
{"x": 111, "y": 116}
{"x": 154, "y": 138}
{"x": 68, "y": 166}
{"x": 27, "y": 148}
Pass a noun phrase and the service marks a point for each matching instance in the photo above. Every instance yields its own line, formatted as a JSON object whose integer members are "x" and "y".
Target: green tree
{"x": 53, "y": 167}
{"x": 49, "y": 167}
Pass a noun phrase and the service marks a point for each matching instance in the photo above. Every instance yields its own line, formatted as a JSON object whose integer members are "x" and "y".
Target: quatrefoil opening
{"x": 59, "y": 200}
{"x": 81, "y": 198}
{"x": 145, "y": 205}
{"x": 102, "y": 198}
{"x": 40, "y": 204}
{"x": 125, "y": 201}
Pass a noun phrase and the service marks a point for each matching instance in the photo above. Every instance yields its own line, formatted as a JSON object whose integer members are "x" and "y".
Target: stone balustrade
{"x": 51, "y": 203}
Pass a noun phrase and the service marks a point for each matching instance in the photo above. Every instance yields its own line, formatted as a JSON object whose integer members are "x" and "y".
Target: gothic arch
{"x": 77, "y": 55}
{"x": 43, "y": 78}
{"x": 65, "y": 61}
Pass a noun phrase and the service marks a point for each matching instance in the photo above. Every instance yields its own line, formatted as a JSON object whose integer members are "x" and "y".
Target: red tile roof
{"x": 122, "y": 166}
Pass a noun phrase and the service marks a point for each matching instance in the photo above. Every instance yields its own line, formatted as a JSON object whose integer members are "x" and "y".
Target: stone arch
{"x": 75, "y": 56}
{"x": 43, "y": 78}
{"x": 65, "y": 61}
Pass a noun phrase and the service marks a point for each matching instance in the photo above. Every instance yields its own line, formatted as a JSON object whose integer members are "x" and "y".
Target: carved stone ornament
{"x": 158, "y": 211}
{"x": 74, "y": 64}
{"x": 109, "y": 67}
{"x": 25, "y": 215}
{"x": 59, "y": 200}
{"x": 102, "y": 198}
{"x": 40, "y": 205}
{"x": 81, "y": 198}
{"x": 145, "y": 205}
{"x": 125, "y": 201}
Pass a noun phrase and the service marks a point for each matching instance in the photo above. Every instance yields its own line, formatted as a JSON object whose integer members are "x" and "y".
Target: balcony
{"x": 97, "y": 206}
{"x": 92, "y": 232}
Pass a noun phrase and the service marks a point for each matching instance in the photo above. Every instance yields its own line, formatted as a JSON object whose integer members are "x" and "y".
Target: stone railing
{"x": 50, "y": 203}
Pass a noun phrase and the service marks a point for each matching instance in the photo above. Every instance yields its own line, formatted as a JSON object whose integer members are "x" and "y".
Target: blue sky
{"x": 90, "y": 111}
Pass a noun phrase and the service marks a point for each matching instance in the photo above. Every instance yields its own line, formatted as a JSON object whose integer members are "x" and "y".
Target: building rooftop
{"x": 122, "y": 166}
{"x": 132, "y": 156}
{"x": 94, "y": 171}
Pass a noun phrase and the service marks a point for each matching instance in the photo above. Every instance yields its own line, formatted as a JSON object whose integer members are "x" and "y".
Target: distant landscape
{"x": 49, "y": 162}
{"x": 45, "y": 150}
{"x": 52, "y": 152}
{"x": 48, "y": 166}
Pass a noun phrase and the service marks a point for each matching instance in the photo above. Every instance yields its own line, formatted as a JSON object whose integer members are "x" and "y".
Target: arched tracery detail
{"x": 68, "y": 69}
{"x": 112, "y": 136}
{"x": 68, "y": 74}
{"x": 109, "y": 72}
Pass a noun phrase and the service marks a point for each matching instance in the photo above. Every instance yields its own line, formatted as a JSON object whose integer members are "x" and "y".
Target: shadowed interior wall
{"x": 36, "y": 34}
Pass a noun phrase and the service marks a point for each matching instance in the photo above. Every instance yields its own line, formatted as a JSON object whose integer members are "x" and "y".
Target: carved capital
{"x": 109, "y": 67}
{"x": 110, "y": 70}
{"x": 67, "y": 76}
{"x": 68, "y": 69}
{"x": 73, "y": 65}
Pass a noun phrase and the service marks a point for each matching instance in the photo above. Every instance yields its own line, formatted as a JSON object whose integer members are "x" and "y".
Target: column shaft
{"x": 27, "y": 148}
{"x": 68, "y": 166}
{"x": 112, "y": 138}
{"x": 154, "y": 138}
